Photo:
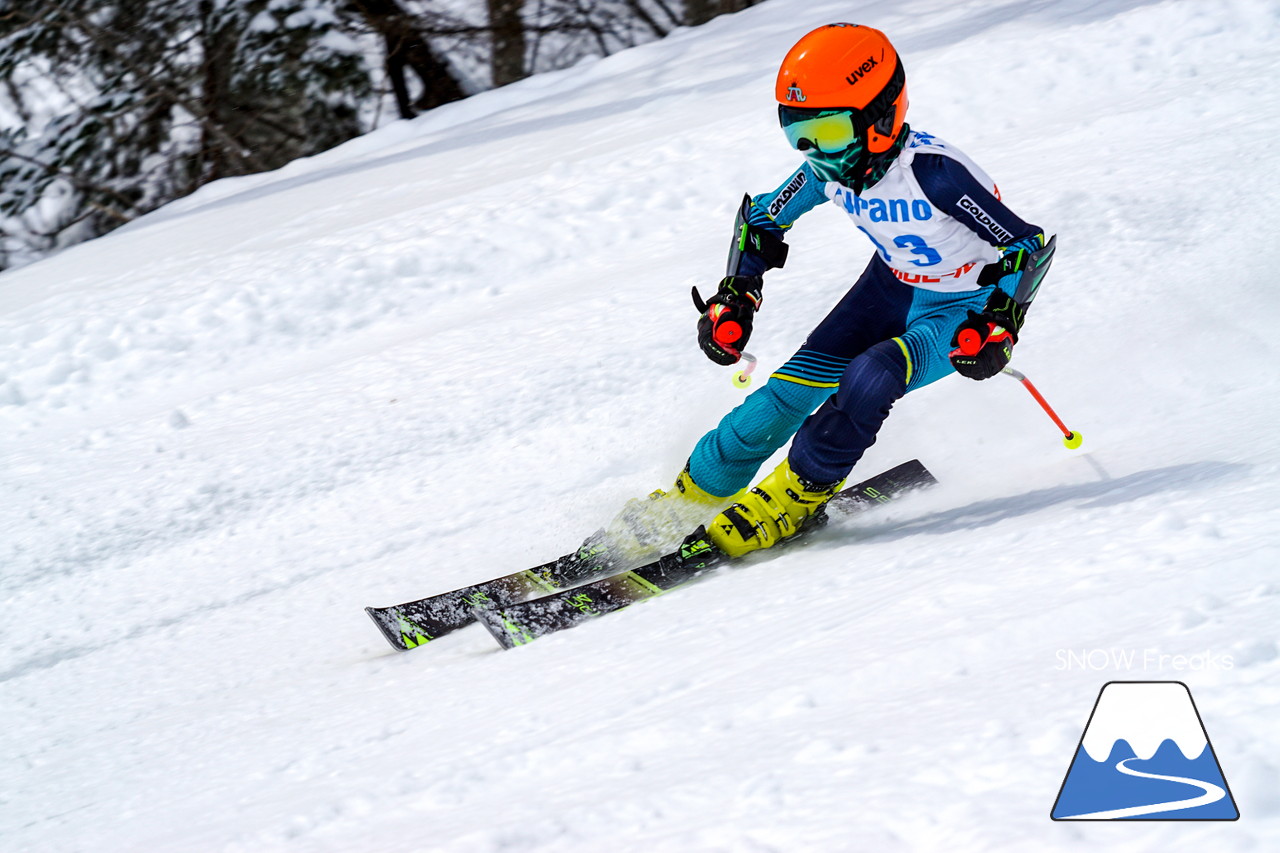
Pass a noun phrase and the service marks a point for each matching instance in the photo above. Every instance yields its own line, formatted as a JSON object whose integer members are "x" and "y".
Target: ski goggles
{"x": 827, "y": 131}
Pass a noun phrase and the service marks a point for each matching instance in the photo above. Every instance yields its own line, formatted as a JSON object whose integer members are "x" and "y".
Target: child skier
{"x": 946, "y": 290}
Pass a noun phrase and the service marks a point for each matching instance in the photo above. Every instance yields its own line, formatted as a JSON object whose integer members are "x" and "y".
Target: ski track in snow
{"x": 453, "y": 347}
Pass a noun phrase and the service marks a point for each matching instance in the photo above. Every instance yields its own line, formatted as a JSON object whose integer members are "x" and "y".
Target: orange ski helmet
{"x": 848, "y": 67}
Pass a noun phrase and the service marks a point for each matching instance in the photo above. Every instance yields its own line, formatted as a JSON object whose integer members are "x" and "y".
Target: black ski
{"x": 515, "y": 624}
{"x": 416, "y": 623}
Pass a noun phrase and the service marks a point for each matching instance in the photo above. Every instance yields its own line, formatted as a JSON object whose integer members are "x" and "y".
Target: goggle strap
{"x": 882, "y": 104}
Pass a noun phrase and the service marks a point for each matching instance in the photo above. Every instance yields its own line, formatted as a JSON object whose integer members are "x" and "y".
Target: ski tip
{"x": 402, "y": 633}
{"x": 387, "y": 627}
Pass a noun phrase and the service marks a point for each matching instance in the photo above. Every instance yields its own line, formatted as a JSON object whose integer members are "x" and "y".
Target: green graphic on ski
{"x": 416, "y": 623}
{"x": 519, "y": 623}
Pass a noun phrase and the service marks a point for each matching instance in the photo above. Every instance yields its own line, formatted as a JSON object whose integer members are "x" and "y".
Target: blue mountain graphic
{"x": 1100, "y": 786}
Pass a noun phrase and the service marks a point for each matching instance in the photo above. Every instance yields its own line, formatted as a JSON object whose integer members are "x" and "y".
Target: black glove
{"x": 725, "y": 324}
{"x": 984, "y": 342}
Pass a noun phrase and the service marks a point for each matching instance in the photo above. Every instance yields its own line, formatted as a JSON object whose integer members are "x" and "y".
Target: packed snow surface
{"x": 452, "y": 348}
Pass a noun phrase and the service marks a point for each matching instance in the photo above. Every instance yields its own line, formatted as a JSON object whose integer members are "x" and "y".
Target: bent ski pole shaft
{"x": 1070, "y": 438}
{"x": 742, "y": 378}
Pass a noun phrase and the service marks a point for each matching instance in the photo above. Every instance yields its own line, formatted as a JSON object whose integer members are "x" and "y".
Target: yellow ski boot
{"x": 775, "y": 509}
{"x": 647, "y": 528}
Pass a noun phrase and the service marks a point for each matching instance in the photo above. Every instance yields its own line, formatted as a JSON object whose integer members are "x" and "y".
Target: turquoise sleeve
{"x": 801, "y": 192}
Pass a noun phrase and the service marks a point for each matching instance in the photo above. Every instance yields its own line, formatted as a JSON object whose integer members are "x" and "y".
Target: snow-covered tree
{"x": 111, "y": 108}
{"x": 126, "y": 104}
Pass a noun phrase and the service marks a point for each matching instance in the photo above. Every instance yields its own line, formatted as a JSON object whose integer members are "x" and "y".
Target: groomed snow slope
{"x": 451, "y": 348}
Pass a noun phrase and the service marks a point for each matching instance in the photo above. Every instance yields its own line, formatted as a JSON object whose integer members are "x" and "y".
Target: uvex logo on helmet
{"x": 861, "y": 70}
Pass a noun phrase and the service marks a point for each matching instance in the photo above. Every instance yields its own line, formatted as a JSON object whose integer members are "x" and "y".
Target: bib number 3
{"x": 913, "y": 242}
{"x": 918, "y": 246}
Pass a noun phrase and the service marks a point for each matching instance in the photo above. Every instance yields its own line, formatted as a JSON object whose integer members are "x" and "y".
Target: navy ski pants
{"x": 883, "y": 339}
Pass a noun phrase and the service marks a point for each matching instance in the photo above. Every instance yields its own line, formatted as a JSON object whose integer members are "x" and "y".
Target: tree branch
{"x": 77, "y": 182}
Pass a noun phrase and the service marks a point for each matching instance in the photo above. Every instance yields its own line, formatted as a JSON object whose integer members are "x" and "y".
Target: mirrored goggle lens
{"x": 830, "y": 133}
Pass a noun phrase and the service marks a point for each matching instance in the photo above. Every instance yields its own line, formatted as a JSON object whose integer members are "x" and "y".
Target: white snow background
{"x": 452, "y": 348}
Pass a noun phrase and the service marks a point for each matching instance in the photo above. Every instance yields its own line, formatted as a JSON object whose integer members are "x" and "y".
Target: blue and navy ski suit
{"x": 936, "y": 219}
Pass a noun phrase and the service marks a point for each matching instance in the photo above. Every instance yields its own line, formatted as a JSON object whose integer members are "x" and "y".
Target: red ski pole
{"x": 1070, "y": 438}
